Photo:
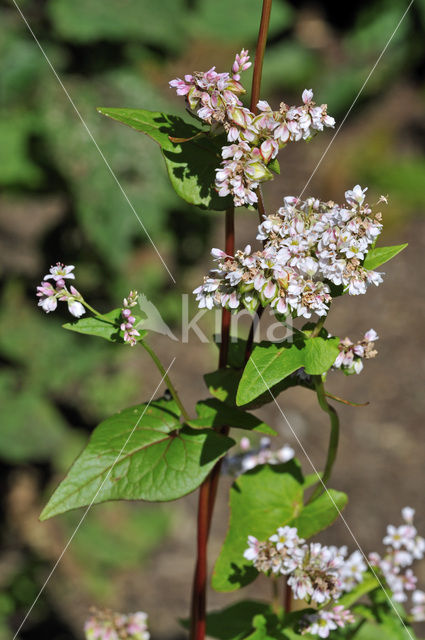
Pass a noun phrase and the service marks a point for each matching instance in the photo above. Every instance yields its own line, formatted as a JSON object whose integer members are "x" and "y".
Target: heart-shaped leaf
{"x": 159, "y": 462}
{"x": 261, "y": 500}
{"x": 272, "y": 362}
{"x": 191, "y": 164}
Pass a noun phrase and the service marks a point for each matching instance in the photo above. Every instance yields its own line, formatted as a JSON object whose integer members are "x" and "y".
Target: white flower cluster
{"x": 316, "y": 573}
{"x": 49, "y": 294}
{"x": 350, "y": 357}
{"x": 404, "y": 545}
{"x": 250, "y": 457}
{"x": 215, "y": 99}
{"x": 323, "y": 622}
{"x": 308, "y": 245}
{"x": 259, "y": 139}
{"x": 321, "y": 574}
{"x": 109, "y": 625}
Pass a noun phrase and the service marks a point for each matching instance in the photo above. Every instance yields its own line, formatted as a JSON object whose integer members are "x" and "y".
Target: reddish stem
{"x": 208, "y": 489}
{"x": 259, "y": 54}
{"x": 198, "y": 610}
{"x": 287, "y": 598}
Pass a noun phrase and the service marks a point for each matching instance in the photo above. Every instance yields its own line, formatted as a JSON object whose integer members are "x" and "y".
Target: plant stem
{"x": 255, "y": 322}
{"x": 226, "y": 316}
{"x": 259, "y": 54}
{"x": 287, "y": 598}
{"x": 199, "y": 591}
{"x": 96, "y": 313}
{"x": 275, "y": 595}
{"x": 208, "y": 489}
{"x": 334, "y": 435}
{"x": 166, "y": 378}
{"x": 319, "y": 326}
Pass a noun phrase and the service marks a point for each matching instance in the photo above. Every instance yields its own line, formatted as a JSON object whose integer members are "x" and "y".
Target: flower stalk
{"x": 333, "y": 438}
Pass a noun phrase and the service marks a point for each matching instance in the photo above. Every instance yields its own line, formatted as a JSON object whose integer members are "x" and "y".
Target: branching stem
{"x": 334, "y": 435}
{"x": 166, "y": 378}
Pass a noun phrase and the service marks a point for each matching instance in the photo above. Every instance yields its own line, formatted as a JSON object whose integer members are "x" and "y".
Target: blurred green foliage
{"x": 55, "y": 386}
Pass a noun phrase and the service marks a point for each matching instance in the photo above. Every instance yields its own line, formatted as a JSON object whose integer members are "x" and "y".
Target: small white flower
{"x": 75, "y": 308}
{"x": 60, "y": 272}
{"x": 356, "y": 195}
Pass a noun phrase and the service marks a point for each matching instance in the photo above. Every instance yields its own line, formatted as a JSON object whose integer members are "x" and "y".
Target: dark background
{"x": 59, "y": 202}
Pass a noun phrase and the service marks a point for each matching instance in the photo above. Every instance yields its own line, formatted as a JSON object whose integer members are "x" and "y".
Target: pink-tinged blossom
{"x": 60, "y": 272}
{"x": 317, "y": 576}
{"x": 253, "y": 549}
{"x": 240, "y": 173}
{"x": 350, "y": 357}
{"x": 109, "y": 625}
{"x": 48, "y": 297}
{"x": 323, "y": 622}
{"x": 356, "y": 195}
{"x": 240, "y": 64}
{"x": 307, "y": 245}
{"x": 127, "y": 326}
{"x": 418, "y": 610}
{"x": 404, "y": 545}
{"x": 215, "y": 98}
{"x": 352, "y": 571}
{"x": 50, "y": 293}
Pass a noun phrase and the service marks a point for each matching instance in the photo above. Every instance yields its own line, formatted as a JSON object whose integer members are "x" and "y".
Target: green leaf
{"x": 160, "y": 462}
{"x": 369, "y": 583}
{"x": 380, "y": 255}
{"x": 274, "y": 166}
{"x": 320, "y": 513}
{"x": 216, "y": 414}
{"x": 236, "y": 351}
{"x": 108, "y": 329}
{"x": 223, "y": 384}
{"x": 235, "y": 622}
{"x": 158, "y": 126}
{"x": 389, "y": 630}
{"x": 261, "y": 500}
{"x": 191, "y": 165}
{"x": 271, "y": 363}
{"x": 320, "y": 354}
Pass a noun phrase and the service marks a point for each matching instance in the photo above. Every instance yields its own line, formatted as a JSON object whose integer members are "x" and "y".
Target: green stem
{"x": 319, "y": 326}
{"x": 167, "y": 379}
{"x": 334, "y": 436}
{"x": 154, "y": 357}
{"x": 96, "y": 313}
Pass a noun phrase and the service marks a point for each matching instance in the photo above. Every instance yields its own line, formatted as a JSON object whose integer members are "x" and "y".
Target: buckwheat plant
{"x": 307, "y": 256}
